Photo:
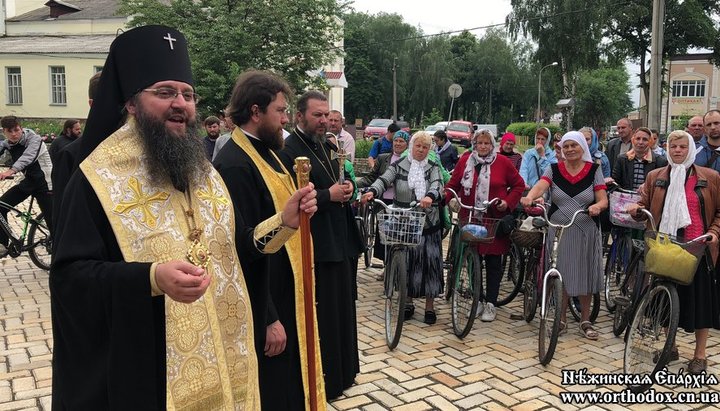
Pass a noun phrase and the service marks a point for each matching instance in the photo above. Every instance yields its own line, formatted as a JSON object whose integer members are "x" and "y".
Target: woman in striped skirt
{"x": 576, "y": 183}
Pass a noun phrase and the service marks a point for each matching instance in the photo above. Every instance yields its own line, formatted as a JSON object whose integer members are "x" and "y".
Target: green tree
{"x": 688, "y": 24}
{"x": 566, "y": 31}
{"x": 602, "y": 96}
{"x": 225, "y": 37}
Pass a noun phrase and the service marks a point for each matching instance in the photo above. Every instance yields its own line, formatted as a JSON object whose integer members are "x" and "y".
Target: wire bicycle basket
{"x": 477, "y": 229}
{"x": 400, "y": 226}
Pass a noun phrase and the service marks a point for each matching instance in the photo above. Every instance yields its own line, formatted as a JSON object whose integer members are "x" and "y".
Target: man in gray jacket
{"x": 30, "y": 156}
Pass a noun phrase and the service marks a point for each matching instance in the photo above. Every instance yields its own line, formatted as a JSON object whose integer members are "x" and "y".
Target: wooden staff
{"x": 302, "y": 171}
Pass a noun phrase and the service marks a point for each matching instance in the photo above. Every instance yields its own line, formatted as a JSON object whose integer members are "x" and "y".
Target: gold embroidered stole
{"x": 281, "y": 187}
{"x": 211, "y": 362}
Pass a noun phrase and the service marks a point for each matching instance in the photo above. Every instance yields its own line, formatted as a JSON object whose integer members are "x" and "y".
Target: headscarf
{"x": 594, "y": 142}
{"x": 416, "y": 175}
{"x": 402, "y": 134}
{"x": 579, "y": 138}
{"x": 482, "y": 188}
{"x": 675, "y": 213}
{"x": 137, "y": 59}
{"x": 507, "y": 137}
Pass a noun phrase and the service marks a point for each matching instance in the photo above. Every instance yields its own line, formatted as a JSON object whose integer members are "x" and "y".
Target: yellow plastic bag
{"x": 670, "y": 260}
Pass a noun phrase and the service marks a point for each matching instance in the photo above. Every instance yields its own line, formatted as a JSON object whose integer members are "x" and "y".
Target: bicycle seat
{"x": 538, "y": 222}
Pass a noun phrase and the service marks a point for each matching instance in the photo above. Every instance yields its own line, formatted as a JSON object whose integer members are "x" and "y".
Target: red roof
{"x": 333, "y": 74}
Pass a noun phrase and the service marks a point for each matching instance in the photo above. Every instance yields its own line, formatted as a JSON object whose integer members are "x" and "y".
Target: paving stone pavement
{"x": 494, "y": 367}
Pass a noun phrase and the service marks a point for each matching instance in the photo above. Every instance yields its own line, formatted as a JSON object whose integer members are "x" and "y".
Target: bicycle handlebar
{"x": 551, "y": 224}
{"x": 616, "y": 187}
{"x": 486, "y": 204}
{"x": 413, "y": 206}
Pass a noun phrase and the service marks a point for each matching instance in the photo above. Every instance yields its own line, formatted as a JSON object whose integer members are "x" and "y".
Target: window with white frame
{"x": 688, "y": 88}
{"x": 58, "y": 94}
{"x": 14, "y": 86}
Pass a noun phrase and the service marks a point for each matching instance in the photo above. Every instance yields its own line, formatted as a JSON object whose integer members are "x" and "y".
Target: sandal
{"x": 563, "y": 328}
{"x": 587, "y": 329}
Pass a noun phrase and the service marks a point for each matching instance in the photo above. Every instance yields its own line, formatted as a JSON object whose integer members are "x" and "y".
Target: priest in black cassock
{"x": 149, "y": 306}
{"x": 335, "y": 242}
{"x": 259, "y": 187}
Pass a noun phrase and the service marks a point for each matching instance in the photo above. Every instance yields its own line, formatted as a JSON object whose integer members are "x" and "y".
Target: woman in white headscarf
{"x": 417, "y": 178}
{"x": 684, "y": 200}
{"x": 576, "y": 183}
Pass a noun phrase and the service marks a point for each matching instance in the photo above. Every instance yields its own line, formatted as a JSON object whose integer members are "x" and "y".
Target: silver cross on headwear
{"x": 170, "y": 40}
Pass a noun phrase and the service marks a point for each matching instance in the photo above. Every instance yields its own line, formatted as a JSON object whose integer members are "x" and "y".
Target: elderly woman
{"x": 684, "y": 200}
{"x": 576, "y": 183}
{"x": 482, "y": 175}
{"x": 507, "y": 148}
{"x": 632, "y": 168}
{"x": 536, "y": 160}
{"x": 597, "y": 156}
{"x": 417, "y": 178}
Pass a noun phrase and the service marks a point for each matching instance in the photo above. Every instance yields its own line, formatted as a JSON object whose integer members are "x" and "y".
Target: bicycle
{"x": 366, "y": 222}
{"x": 34, "y": 237}
{"x": 465, "y": 276}
{"x": 550, "y": 290}
{"x": 651, "y": 335}
{"x": 399, "y": 229}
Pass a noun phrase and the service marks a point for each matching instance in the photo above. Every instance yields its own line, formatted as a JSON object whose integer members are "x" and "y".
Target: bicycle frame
{"x": 26, "y": 218}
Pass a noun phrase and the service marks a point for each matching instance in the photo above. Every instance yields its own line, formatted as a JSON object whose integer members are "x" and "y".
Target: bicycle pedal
{"x": 622, "y": 301}
{"x": 516, "y": 316}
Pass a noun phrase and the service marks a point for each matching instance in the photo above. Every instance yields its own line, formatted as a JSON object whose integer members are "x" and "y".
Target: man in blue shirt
{"x": 708, "y": 154}
{"x": 383, "y": 145}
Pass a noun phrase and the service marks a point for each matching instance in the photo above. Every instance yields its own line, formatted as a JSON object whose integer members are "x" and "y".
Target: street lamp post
{"x": 554, "y": 63}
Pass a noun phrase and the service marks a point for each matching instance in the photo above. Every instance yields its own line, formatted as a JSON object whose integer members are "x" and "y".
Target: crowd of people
{"x": 183, "y": 287}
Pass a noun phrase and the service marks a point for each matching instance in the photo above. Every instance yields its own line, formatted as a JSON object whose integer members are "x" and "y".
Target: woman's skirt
{"x": 425, "y": 270}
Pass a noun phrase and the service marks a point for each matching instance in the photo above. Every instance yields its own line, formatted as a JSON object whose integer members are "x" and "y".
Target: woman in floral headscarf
{"x": 417, "y": 178}
{"x": 480, "y": 175}
{"x": 684, "y": 200}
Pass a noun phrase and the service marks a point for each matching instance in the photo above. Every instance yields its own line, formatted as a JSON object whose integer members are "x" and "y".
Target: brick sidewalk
{"x": 494, "y": 367}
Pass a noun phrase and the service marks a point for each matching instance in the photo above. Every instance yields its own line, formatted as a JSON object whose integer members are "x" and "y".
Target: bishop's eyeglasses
{"x": 169, "y": 93}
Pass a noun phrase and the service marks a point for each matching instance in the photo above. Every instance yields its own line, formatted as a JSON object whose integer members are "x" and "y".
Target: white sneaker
{"x": 480, "y": 309}
{"x": 489, "y": 313}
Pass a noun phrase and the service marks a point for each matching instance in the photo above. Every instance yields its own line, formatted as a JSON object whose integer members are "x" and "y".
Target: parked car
{"x": 491, "y": 127}
{"x": 459, "y": 131}
{"x": 432, "y": 129}
{"x": 377, "y": 127}
{"x": 443, "y": 124}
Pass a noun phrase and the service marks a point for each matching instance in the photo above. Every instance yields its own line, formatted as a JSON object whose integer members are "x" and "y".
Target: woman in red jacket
{"x": 482, "y": 175}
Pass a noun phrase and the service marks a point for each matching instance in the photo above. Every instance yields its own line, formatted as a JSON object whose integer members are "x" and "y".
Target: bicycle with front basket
{"x": 465, "y": 275}
{"x": 400, "y": 229}
{"x": 651, "y": 335}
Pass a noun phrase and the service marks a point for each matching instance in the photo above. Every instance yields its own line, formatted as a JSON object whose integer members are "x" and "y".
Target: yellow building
{"x": 48, "y": 54}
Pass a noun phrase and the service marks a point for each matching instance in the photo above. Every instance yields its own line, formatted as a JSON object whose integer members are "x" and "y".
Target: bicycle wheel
{"x": 466, "y": 293}
{"x": 614, "y": 270}
{"x": 652, "y": 332}
{"x": 395, "y": 293}
{"x": 370, "y": 229}
{"x": 451, "y": 262}
{"x": 40, "y": 243}
{"x": 512, "y": 275}
{"x": 550, "y": 322}
{"x": 626, "y": 298}
{"x": 363, "y": 238}
{"x": 576, "y": 308}
{"x": 530, "y": 288}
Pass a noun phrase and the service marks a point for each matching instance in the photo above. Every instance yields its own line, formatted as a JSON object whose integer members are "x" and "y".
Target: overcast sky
{"x": 438, "y": 16}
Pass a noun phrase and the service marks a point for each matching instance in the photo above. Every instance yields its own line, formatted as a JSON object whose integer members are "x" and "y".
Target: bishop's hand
{"x": 181, "y": 280}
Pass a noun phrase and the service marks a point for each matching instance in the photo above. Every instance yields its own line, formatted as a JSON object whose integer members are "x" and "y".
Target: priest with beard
{"x": 336, "y": 242}
{"x": 249, "y": 164}
{"x": 149, "y": 306}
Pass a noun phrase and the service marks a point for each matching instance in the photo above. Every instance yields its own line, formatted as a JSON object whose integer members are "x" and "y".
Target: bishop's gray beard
{"x": 171, "y": 158}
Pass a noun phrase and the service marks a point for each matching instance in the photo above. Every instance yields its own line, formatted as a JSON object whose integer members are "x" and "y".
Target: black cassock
{"x": 269, "y": 278}
{"x": 108, "y": 332}
{"x": 336, "y": 244}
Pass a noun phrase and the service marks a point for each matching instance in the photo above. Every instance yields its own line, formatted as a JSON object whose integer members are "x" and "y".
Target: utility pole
{"x": 395, "y": 117}
{"x": 656, "y": 47}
